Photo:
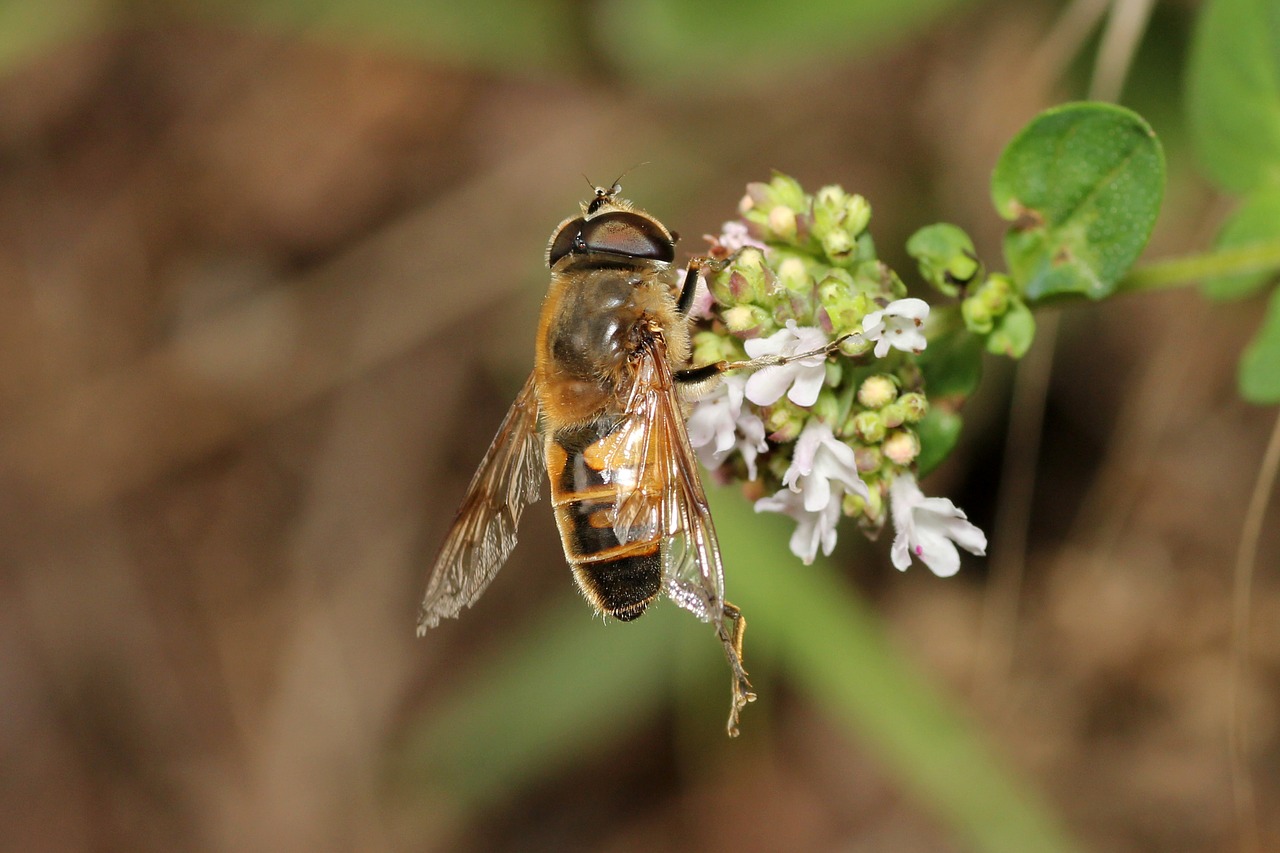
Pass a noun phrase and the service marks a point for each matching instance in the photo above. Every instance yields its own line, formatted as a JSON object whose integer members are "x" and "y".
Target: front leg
{"x": 706, "y": 372}
{"x": 696, "y": 267}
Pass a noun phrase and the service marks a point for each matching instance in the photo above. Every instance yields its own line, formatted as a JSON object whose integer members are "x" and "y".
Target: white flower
{"x": 719, "y": 423}
{"x": 930, "y": 528}
{"x": 734, "y": 236}
{"x": 897, "y": 325}
{"x": 800, "y": 380}
{"x": 823, "y": 468}
{"x": 813, "y": 529}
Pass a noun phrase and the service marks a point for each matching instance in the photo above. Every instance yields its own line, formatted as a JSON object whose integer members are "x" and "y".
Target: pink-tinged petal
{"x": 936, "y": 551}
{"x": 807, "y": 384}
{"x": 767, "y": 385}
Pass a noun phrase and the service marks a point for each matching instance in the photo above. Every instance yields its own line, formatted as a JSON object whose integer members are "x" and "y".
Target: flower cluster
{"x": 818, "y": 438}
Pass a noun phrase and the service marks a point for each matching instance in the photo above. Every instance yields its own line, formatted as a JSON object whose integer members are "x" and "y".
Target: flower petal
{"x": 767, "y": 385}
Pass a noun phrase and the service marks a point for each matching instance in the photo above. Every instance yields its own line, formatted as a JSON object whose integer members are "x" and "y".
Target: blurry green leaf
{"x": 938, "y": 432}
{"x": 834, "y": 648}
{"x": 565, "y": 685}
{"x": 1257, "y": 221}
{"x": 1014, "y": 331}
{"x": 561, "y": 688}
{"x": 952, "y": 364}
{"x": 733, "y": 40}
{"x": 946, "y": 256}
{"x": 28, "y": 28}
{"x": 1082, "y": 185}
{"x": 1233, "y": 92}
{"x": 1260, "y": 365}
{"x": 498, "y": 33}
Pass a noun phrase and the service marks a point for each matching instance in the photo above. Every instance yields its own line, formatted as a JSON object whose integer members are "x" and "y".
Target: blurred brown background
{"x": 265, "y": 291}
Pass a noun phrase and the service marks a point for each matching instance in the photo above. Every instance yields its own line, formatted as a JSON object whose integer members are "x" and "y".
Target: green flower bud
{"x": 794, "y": 276}
{"x": 893, "y": 415}
{"x": 977, "y": 316}
{"x": 785, "y": 421}
{"x": 782, "y": 223}
{"x": 867, "y": 459}
{"x": 857, "y": 214}
{"x": 749, "y": 321}
{"x": 835, "y": 371}
{"x": 827, "y": 407}
{"x": 995, "y": 293}
{"x": 869, "y": 427}
{"x": 748, "y": 279}
{"x": 914, "y": 405}
{"x": 786, "y": 190}
{"x": 877, "y": 391}
{"x": 844, "y": 304}
{"x": 709, "y": 347}
{"x": 945, "y": 255}
{"x": 901, "y": 447}
{"x": 838, "y": 244}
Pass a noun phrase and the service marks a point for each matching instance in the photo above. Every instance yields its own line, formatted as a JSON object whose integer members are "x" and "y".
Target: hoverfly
{"x": 603, "y": 417}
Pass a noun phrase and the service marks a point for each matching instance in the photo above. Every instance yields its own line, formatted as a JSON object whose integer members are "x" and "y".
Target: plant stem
{"x": 1239, "y": 260}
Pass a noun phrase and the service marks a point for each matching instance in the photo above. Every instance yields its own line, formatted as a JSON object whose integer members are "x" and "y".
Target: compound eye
{"x": 626, "y": 233}
{"x": 564, "y": 241}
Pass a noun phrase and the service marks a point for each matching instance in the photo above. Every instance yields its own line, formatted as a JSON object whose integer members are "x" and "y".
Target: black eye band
{"x": 621, "y": 233}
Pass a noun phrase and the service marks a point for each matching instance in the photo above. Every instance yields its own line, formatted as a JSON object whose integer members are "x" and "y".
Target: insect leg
{"x": 696, "y": 375}
{"x": 695, "y": 268}
{"x": 730, "y": 627}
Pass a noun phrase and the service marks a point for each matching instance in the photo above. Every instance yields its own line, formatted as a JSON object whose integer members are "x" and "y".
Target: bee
{"x": 602, "y": 417}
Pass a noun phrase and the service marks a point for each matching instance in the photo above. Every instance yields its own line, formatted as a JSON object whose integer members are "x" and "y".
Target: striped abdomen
{"x": 619, "y": 578}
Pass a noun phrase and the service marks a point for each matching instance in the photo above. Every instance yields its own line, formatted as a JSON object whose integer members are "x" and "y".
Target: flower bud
{"x": 994, "y": 294}
{"x": 782, "y": 222}
{"x": 857, "y": 214}
{"x": 869, "y": 427}
{"x": 794, "y": 276}
{"x": 914, "y": 405}
{"x": 785, "y": 422}
{"x": 827, "y": 407}
{"x": 868, "y": 459}
{"x": 838, "y": 244}
{"x": 749, "y": 321}
{"x": 877, "y": 391}
{"x": 893, "y": 415}
{"x": 709, "y": 347}
{"x": 844, "y": 304}
{"x": 977, "y": 316}
{"x": 901, "y": 447}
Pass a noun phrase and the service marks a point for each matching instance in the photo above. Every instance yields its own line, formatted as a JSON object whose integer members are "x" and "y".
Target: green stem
{"x": 1239, "y": 260}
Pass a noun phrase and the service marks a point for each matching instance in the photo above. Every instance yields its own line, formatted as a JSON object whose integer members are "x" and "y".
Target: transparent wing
{"x": 484, "y": 532}
{"x": 653, "y": 464}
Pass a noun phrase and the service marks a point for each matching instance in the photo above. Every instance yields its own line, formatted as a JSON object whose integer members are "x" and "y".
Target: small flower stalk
{"x": 824, "y": 437}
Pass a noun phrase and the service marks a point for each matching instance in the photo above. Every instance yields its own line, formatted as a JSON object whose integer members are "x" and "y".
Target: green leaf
{"x": 952, "y": 365}
{"x": 1257, "y": 221}
{"x": 1014, "y": 331}
{"x": 561, "y": 688}
{"x": 727, "y": 42}
{"x": 1082, "y": 185}
{"x": 1233, "y": 92}
{"x": 945, "y": 255}
{"x": 503, "y": 34}
{"x": 834, "y": 648}
{"x": 1260, "y": 365}
{"x": 938, "y": 432}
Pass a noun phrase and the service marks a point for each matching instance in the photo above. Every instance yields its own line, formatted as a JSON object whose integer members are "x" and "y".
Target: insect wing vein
{"x": 484, "y": 532}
